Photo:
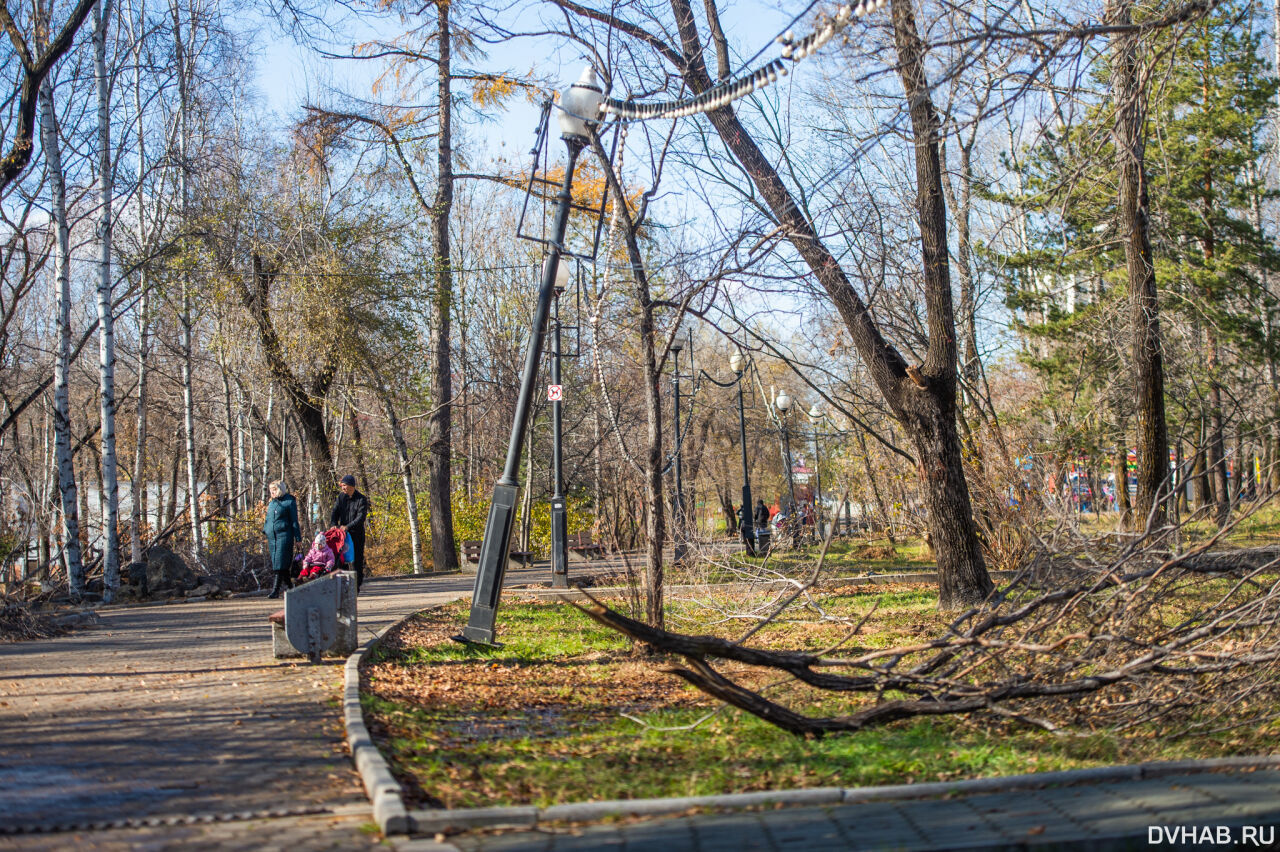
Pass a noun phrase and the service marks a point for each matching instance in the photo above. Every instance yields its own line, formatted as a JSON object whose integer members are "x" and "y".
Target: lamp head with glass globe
{"x": 815, "y": 413}
{"x": 737, "y": 362}
{"x": 783, "y": 401}
{"x": 580, "y": 107}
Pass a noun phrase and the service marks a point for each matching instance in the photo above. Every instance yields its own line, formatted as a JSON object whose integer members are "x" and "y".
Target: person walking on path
{"x": 762, "y": 515}
{"x": 349, "y": 515}
{"x": 282, "y": 530}
{"x": 745, "y": 524}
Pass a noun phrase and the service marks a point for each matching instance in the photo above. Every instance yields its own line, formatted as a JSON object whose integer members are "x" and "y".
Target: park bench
{"x": 515, "y": 558}
{"x": 580, "y": 544}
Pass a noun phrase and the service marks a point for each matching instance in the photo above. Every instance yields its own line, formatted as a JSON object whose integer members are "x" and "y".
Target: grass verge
{"x": 565, "y": 711}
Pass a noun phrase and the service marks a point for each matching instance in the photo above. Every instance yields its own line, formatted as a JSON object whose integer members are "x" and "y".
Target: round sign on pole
{"x": 555, "y": 393}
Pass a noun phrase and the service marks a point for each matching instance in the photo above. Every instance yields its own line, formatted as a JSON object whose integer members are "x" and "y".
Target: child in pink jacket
{"x": 319, "y": 559}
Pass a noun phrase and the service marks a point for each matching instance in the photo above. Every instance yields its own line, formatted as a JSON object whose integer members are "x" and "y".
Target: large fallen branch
{"x": 1118, "y": 627}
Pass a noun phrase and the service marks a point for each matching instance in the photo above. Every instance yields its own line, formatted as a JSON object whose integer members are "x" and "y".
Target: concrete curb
{"x": 432, "y": 821}
{"x": 383, "y": 790}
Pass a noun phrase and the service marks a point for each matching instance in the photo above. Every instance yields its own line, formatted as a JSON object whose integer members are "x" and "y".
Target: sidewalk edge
{"x": 383, "y": 789}
{"x": 524, "y": 816}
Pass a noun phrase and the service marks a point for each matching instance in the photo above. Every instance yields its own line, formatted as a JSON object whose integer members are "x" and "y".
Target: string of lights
{"x": 723, "y": 94}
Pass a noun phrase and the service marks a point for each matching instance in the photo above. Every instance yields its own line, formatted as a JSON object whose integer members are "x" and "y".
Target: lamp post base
{"x": 492, "y": 567}
{"x": 559, "y": 544}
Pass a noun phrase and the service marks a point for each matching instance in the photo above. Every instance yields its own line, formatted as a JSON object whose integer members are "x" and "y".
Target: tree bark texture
{"x": 444, "y": 551}
{"x": 110, "y": 492}
{"x": 62, "y": 364}
{"x": 922, "y": 399}
{"x": 1130, "y": 137}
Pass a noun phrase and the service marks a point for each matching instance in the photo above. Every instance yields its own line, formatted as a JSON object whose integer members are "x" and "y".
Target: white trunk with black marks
{"x": 185, "y": 320}
{"x": 229, "y": 428}
{"x": 62, "y": 363}
{"x": 406, "y": 467}
{"x": 138, "y": 485}
{"x": 266, "y": 445}
{"x": 106, "y": 324}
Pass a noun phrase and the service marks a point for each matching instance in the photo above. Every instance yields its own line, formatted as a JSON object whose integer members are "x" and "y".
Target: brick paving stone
{"x": 178, "y": 710}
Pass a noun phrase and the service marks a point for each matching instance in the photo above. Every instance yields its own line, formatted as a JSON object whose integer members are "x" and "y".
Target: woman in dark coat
{"x": 282, "y": 530}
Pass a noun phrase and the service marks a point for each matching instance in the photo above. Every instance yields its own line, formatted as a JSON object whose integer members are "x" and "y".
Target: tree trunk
{"x": 62, "y": 366}
{"x": 138, "y": 486}
{"x": 406, "y": 468}
{"x": 923, "y": 398}
{"x": 106, "y": 321}
{"x": 444, "y": 551}
{"x": 1121, "y": 468}
{"x": 1129, "y": 136}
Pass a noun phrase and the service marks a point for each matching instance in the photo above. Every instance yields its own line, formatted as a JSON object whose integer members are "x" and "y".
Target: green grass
{"x": 540, "y": 720}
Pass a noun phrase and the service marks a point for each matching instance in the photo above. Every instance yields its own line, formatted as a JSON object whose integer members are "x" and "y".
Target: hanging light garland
{"x": 723, "y": 94}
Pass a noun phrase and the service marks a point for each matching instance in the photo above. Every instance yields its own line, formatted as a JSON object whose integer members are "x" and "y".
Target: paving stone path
{"x": 178, "y": 712}
{"x": 1208, "y": 810}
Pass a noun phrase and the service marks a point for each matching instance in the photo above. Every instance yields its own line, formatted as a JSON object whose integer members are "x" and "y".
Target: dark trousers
{"x": 357, "y": 561}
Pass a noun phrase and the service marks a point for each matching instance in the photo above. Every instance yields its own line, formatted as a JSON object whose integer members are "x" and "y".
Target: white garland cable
{"x": 725, "y": 93}
{"x": 605, "y": 284}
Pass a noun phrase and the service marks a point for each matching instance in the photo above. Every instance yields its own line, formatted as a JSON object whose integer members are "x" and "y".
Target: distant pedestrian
{"x": 762, "y": 515}
{"x": 746, "y": 524}
{"x": 349, "y": 515}
{"x": 282, "y": 530}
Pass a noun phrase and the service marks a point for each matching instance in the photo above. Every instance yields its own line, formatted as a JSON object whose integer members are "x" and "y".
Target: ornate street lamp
{"x": 579, "y": 114}
{"x": 783, "y": 402}
{"x": 815, "y": 417}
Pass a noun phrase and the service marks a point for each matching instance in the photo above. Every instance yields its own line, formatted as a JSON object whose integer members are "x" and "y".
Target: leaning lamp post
{"x": 579, "y": 114}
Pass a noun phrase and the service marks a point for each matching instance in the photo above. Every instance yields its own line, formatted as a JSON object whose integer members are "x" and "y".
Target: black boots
{"x": 282, "y": 583}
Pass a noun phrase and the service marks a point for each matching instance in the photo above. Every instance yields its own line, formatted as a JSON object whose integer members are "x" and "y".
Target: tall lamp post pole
{"x": 559, "y": 520}
{"x": 677, "y": 504}
{"x": 783, "y": 403}
{"x": 738, "y": 364}
{"x": 815, "y": 417}
{"x": 580, "y": 107}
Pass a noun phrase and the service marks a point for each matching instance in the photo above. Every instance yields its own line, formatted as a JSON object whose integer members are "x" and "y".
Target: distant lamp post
{"x": 738, "y": 363}
{"x": 680, "y": 546}
{"x": 783, "y": 403}
{"x": 815, "y": 417}
{"x": 559, "y": 518}
{"x": 579, "y": 114}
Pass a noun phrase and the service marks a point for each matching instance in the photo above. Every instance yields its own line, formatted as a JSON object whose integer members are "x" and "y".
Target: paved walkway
{"x": 1208, "y": 810}
{"x": 175, "y": 712}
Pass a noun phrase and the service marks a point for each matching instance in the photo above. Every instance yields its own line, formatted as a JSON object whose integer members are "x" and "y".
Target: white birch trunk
{"x": 62, "y": 364}
{"x": 184, "y": 320}
{"x": 406, "y": 468}
{"x": 139, "y": 484}
{"x": 106, "y": 324}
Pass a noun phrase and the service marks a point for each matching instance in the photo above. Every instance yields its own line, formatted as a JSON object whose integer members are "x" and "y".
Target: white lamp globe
{"x": 815, "y": 413}
{"x": 562, "y": 275}
{"x": 580, "y": 106}
{"x": 783, "y": 401}
{"x": 737, "y": 362}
